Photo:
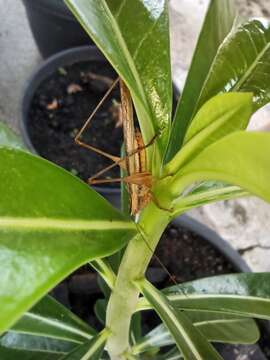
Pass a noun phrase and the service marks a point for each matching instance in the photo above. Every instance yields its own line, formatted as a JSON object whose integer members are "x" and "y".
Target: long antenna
{"x": 172, "y": 278}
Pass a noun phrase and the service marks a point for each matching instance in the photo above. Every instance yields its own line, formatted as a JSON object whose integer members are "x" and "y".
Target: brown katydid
{"x": 138, "y": 179}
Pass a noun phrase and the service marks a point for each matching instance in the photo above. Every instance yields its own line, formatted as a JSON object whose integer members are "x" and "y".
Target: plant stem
{"x": 124, "y": 298}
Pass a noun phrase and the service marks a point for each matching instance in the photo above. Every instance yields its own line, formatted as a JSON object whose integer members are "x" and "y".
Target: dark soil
{"x": 61, "y": 106}
{"x": 187, "y": 256}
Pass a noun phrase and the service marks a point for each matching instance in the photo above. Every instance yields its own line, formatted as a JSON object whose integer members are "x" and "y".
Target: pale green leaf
{"x": 241, "y": 159}
{"x": 220, "y": 116}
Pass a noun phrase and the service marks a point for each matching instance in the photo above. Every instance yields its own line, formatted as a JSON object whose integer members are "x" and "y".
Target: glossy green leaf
{"x": 36, "y": 344}
{"x": 241, "y": 159}
{"x": 237, "y": 294}
{"x": 12, "y": 354}
{"x": 218, "y": 23}
{"x": 51, "y": 319}
{"x": 125, "y": 31}
{"x": 204, "y": 193}
{"x": 215, "y": 327}
{"x": 135, "y": 328}
{"x": 91, "y": 350}
{"x": 220, "y": 116}
{"x": 47, "y": 328}
{"x": 50, "y": 224}
{"x": 242, "y": 64}
{"x": 237, "y": 331}
{"x": 100, "y": 310}
{"x": 9, "y": 138}
{"x": 189, "y": 340}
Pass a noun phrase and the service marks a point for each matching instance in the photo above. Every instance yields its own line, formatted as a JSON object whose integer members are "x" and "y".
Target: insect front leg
{"x": 81, "y": 143}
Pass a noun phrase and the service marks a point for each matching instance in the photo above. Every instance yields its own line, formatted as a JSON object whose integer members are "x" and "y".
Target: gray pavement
{"x": 18, "y": 58}
{"x": 245, "y": 223}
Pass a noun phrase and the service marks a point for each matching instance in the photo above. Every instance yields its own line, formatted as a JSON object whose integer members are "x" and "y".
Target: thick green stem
{"x": 124, "y": 298}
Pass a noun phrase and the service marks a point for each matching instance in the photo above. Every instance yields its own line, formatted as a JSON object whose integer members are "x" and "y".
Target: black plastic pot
{"x": 53, "y": 26}
{"x": 66, "y": 57}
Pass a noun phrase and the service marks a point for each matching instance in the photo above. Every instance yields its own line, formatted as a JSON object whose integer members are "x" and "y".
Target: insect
{"x": 139, "y": 181}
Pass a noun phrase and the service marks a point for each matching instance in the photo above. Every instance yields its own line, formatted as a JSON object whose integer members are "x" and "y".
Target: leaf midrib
{"x": 18, "y": 223}
{"x": 250, "y": 69}
{"x": 56, "y": 324}
{"x": 210, "y": 296}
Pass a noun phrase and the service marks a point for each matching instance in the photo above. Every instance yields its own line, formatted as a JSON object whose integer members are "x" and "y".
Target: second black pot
{"x": 54, "y": 27}
{"x": 64, "y": 58}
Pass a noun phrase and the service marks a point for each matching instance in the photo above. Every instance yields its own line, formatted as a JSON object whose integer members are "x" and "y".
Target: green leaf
{"x": 242, "y": 64}
{"x": 12, "y": 354}
{"x": 173, "y": 354}
{"x": 47, "y": 328}
{"x": 9, "y": 138}
{"x": 51, "y": 319}
{"x": 51, "y": 223}
{"x": 220, "y": 116}
{"x": 249, "y": 169}
{"x": 205, "y": 193}
{"x": 135, "y": 328}
{"x": 26, "y": 344}
{"x": 218, "y": 23}
{"x": 215, "y": 327}
{"x": 100, "y": 310}
{"x": 237, "y": 294}
{"x": 104, "y": 269}
{"x": 237, "y": 331}
{"x": 189, "y": 340}
{"x": 91, "y": 350}
{"x": 125, "y": 31}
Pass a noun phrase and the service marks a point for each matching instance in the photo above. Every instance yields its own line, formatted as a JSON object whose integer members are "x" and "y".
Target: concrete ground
{"x": 245, "y": 223}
